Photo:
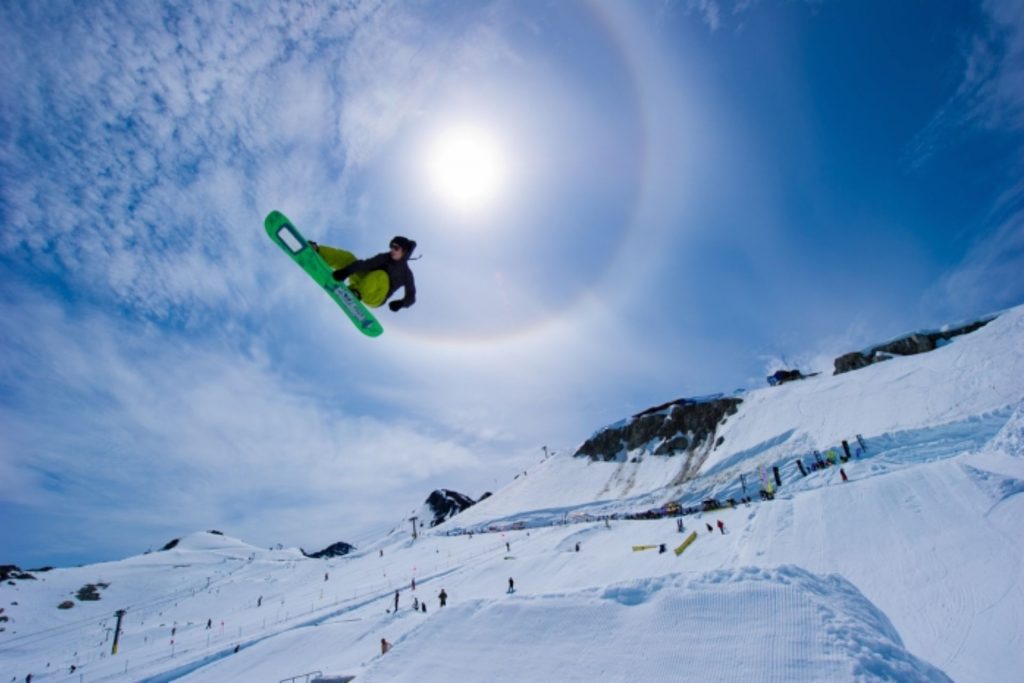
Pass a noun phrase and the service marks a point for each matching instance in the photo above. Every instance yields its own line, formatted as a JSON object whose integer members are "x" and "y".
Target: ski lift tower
{"x": 413, "y": 520}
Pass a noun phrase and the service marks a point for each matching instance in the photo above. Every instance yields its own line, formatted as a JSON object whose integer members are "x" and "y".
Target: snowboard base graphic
{"x": 285, "y": 235}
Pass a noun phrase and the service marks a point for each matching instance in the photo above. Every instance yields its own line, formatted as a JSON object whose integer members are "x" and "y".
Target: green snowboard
{"x": 287, "y": 236}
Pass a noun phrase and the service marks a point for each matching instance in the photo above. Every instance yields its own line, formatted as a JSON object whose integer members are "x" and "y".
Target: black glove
{"x": 339, "y": 275}
{"x": 395, "y": 306}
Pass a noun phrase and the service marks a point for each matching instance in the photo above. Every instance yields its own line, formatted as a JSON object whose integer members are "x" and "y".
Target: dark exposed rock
{"x": 487, "y": 494}
{"x": 215, "y": 532}
{"x": 445, "y": 504}
{"x": 679, "y": 426}
{"x": 919, "y": 342}
{"x": 67, "y": 604}
{"x": 783, "y": 376}
{"x": 171, "y": 544}
{"x": 855, "y": 360}
{"x": 338, "y": 549}
{"x": 90, "y": 592}
{"x": 10, "y": 571}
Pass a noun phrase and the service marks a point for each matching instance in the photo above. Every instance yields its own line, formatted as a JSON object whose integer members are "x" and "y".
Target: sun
{"x": 466, "y": 168}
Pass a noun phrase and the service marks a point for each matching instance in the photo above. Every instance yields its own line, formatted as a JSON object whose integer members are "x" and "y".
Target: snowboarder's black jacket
{"x": 399, "y": 275}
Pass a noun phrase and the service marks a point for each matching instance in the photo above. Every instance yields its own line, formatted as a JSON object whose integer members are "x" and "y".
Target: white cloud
{"x": 989, "y": 275}
{"x": 990, "y": 94}
{"x": 125, "y": 423}
{"x": 714, "y": 13}
{"x": 144, "y": 144}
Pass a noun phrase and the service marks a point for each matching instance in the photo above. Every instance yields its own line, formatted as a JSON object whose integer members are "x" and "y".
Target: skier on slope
{"x": 375, "y": 279}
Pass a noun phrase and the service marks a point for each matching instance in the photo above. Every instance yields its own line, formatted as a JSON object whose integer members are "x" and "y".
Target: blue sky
{"x": 680, "y": 196}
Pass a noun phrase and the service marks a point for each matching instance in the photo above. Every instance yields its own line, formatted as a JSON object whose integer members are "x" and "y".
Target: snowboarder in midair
{"x": 375, "y": 279}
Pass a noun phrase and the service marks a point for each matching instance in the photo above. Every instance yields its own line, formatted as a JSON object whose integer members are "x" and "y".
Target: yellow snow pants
{"x": 372, "y": 286}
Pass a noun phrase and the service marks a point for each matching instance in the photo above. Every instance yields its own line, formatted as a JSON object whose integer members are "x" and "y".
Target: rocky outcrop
{"x": 339, "y": 549}
{"x": 90, "y": 592}
{"x": 11, "y": 572}
{"x": 445, "y": 504}
{"x": 680, "y": 426}
{"x": 782, "y": 376}
{"x": 919, "y": 342}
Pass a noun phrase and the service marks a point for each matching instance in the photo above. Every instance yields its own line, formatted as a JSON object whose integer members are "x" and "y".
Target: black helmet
{"x": 405, "y": 243}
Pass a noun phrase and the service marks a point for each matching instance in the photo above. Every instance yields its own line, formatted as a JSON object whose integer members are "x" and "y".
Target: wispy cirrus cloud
{"x": 988, "y": 98}
{"x": 715, "y": 14}
{"x": 140, "y": 140}
{"x": 126, "y": 432}
{"x": 145, "y": 312}
{"x": 990, "y": 92}
{"x": 989, "y": 275}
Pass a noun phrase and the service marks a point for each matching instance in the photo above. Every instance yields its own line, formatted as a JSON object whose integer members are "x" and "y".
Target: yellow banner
{"x": 638, "y": 548}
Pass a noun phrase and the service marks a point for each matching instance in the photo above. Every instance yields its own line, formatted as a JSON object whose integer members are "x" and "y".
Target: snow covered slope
{"x": 979, "y": 376}
{"x": 912, "y": 570}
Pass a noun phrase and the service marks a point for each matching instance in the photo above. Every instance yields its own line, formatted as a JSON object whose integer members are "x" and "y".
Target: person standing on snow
{"x": 375, "y": 279}
{"x": 721, "y": 526}
{"x": 511, "y": 585}
{"x": 443, "y": 597}
{"x": 396, "y": 602}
